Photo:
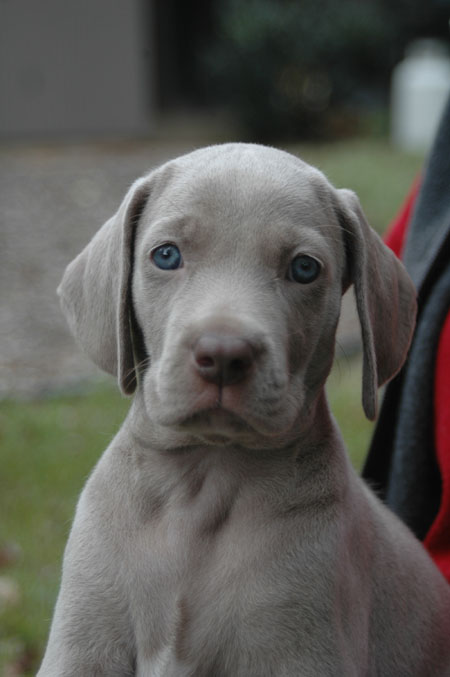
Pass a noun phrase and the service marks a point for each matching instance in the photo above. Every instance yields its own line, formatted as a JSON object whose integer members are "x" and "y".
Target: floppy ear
{"x": 95, "y": 291}
{"x": 385, "y": 300}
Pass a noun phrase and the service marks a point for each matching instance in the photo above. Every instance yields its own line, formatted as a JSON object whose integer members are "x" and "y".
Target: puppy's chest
{"x": 204, "y": 597}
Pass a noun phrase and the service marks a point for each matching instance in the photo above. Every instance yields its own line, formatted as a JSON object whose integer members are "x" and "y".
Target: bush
{"x": 287, "y": 68}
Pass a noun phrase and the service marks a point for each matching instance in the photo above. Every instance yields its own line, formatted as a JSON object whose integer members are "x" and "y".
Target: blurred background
{"x": 93, "y": 93}
{"x": 281, "y": 69}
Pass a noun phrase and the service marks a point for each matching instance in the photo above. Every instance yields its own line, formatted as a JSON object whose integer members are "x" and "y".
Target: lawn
{"x": 48, "y": 447}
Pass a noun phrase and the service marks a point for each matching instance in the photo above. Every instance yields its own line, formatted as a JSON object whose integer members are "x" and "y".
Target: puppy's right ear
{"x": 385, "y": 299}
{"x": 95, "y": 291}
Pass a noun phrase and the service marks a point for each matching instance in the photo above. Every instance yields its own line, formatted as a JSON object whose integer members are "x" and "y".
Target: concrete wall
{"x": 75, "y": 67}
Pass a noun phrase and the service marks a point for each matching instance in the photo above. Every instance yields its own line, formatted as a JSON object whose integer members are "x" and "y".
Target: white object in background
{"x": 419, "y": 90}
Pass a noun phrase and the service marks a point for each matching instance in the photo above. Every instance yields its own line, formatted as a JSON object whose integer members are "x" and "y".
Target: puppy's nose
{"x": 223, "y": 359}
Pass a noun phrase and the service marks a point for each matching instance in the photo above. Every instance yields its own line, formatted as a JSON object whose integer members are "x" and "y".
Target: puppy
{"x": 224, "y": 533}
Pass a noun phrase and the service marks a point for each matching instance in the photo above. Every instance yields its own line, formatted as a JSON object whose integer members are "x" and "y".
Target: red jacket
{"x": 437, "y": 540}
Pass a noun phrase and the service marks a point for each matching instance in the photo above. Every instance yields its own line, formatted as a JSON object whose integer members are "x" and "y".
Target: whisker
{"x": 136, "y": 369}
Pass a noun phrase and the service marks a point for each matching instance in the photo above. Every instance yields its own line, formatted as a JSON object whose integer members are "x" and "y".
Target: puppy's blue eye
{"x": 304, "y": 269}
{"x": 167, "y": 257}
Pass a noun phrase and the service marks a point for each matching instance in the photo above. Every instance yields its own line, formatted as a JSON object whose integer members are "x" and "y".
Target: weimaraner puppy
{"x": 224, "y": 533}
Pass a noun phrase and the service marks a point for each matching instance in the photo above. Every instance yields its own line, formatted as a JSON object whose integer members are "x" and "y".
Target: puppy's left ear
{"x": 385, "y": 299}
{"x": 95, "y": 291}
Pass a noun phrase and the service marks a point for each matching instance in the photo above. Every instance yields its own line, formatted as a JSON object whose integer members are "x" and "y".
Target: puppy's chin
{"x": 211, "y": 417}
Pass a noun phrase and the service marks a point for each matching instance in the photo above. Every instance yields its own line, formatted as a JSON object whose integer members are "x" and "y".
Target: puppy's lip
{"x": 210, "y": 417}
{"x": 219, "y": 410}
{"x": 222, "y": 421}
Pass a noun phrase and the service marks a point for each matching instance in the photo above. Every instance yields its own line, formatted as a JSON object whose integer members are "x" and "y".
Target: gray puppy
{"x": 224, "y": 532}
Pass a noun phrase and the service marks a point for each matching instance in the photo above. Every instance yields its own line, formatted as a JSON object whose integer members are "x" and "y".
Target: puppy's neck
{"x": 208, "y": 480}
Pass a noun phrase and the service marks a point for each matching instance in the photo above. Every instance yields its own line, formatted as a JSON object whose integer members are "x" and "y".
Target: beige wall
{"x": 75, "y": 67}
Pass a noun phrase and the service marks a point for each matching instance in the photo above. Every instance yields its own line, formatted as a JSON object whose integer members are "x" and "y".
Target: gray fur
{"x": 224, "y": 532}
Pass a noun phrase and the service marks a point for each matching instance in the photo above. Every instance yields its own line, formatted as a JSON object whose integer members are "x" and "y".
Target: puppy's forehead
{"x": 238, "y": 183}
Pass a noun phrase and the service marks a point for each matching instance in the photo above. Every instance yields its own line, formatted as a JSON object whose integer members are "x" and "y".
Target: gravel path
{"x": 53, "y": 199}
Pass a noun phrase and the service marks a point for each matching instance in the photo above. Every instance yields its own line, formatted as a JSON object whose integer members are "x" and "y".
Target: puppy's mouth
{"x": 231, "y": 414}
{"x": 214, "y": 420}
{"x": 219, "y": 425}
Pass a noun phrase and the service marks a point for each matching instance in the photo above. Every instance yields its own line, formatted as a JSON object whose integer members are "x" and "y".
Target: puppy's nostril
{"x": 205, "y": 362}
{"x": 239, "y": 365}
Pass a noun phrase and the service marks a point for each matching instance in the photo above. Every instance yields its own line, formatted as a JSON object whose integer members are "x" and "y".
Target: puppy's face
{"x": 238, "y": 274}
{"x": 219, "y": 282}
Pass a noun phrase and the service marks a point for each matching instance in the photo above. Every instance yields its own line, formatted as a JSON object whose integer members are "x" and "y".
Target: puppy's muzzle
{"x": 223, "y": 359}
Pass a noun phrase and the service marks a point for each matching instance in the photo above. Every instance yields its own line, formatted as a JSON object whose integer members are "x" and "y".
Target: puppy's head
{"x": 216, "y": 288}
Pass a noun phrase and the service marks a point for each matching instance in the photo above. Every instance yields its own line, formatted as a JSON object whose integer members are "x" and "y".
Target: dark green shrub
{"x": 288, "y": 67}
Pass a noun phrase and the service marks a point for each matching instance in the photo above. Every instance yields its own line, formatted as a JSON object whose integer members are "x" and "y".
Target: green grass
{"x": 48, "y": 447}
